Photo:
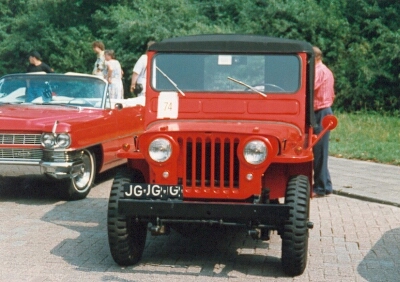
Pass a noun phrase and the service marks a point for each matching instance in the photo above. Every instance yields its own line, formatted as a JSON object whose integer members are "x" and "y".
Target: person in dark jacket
{"x": 36, "y": 64}
{"x": 35, "y": 89}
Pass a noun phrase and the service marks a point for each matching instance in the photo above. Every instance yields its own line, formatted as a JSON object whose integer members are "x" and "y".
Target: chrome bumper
{"x": 58, "y": 164}
{"x": 61, "y": 170}
{"x": 16, "y": 169}
{"x": 55, "y": 169}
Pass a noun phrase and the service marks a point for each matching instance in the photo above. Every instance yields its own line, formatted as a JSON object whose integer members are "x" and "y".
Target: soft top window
{"x": 212, "y": 72}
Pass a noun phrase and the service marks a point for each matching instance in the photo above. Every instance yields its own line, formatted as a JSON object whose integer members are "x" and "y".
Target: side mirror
{"x": 329, "y": 122}
{"x": 119, "y": 106}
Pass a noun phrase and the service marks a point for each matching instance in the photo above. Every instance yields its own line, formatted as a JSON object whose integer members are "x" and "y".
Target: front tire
{"x": 126, "y": 236}
{"x": 78, "y": 187}
{"x": 295, "y": 233}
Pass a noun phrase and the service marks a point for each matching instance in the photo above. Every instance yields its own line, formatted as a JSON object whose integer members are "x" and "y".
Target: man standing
{"x": 36, "y": 64}
{"x": 139, "y": 73}
{"x": 324, "y": 95}
{"x": 35, "y": 89}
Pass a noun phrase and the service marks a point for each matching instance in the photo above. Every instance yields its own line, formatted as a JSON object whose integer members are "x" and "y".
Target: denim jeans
{"x": 322, "y": 178}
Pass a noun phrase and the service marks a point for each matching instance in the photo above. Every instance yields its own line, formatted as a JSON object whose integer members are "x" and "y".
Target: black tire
{"x": 126, "y": 237}
{"x": 295, "y": 234}
{"x": 78, "y": 187}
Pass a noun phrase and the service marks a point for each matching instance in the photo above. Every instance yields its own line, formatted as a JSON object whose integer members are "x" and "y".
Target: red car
{"x": 65, "y": 125}
{"x": 228, "y": 142}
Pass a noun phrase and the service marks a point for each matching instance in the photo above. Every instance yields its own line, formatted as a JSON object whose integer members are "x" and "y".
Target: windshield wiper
{"x": 248, "y": 86}
{"x": 56, "y": 104}
{"x": 171, "y": 81}
{"x": 11, "y": 103}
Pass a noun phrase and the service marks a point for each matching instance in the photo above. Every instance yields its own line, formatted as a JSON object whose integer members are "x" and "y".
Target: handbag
{"x": 138, "y": 89}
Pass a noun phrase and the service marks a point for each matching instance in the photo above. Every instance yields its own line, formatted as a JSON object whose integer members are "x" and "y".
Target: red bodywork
{"x": 227, "y": 141}
{"x": 228, "y": 119}
{"x": 78, "y": 107}
{"x": 106, "y": 128}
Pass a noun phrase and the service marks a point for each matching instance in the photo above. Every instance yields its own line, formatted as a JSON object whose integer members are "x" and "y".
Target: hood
{"x": 279, "y": 130}
{"x": 40, "y": 117}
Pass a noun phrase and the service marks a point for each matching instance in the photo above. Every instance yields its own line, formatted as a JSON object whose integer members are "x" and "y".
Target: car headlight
{"x": 63, "y": 140}
{"x": 51, "y": 140}
{"x": 255, "y": 152}
{"x": 160, "y": 150}
{"x": 48, "y": 140}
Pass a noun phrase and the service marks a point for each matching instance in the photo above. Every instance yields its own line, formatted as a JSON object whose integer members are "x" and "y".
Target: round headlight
{"x": 160, "y": 150}
{"x": 255, "y": 152}
{"x": 48, "y": 140}
{"x": 63, "y": 140}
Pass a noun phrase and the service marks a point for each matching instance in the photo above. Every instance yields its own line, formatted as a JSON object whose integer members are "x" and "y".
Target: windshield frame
{"x": 227, "y": 59}
{"x": 61, "y": 89}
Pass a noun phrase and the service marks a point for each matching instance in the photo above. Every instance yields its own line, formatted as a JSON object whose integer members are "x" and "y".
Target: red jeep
{"x": 228, "y": 141}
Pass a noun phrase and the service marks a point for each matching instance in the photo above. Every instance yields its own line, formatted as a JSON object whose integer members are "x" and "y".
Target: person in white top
{"x": 114, "y": 75}
{"x": 139, "y": 73}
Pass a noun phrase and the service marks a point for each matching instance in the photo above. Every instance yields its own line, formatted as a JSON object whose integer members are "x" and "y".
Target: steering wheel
{"x": 80, "y": 102}
{"x": 268, "y": 87}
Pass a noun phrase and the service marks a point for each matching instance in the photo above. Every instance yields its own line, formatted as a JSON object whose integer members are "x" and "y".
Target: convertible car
{"x": 66, "y": 126}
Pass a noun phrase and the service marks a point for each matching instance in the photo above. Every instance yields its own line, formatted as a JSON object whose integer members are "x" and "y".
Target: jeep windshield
{"x": 226, "y": 72}
{"x": 54, "y": 89}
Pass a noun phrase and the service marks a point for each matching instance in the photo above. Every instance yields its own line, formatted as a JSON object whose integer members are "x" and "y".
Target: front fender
{"x": 123, "y": 154}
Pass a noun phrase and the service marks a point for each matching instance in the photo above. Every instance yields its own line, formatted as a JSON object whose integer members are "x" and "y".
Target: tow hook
{"x": 310, "y": 225}
{"x": 159, "y": 230}
{"x": 255, "y": 233}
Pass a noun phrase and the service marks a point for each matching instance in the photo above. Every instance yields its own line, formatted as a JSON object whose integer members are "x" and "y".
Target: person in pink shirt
{"x": 324, "y": 94}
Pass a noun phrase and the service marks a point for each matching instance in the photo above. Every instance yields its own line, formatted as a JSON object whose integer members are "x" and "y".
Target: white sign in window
{"x": 168, "y": 105}
{"x": 225, "y": 60}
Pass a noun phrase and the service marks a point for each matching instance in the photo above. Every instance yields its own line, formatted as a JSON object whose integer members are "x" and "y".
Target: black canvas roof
{"x": 231, "y": 43}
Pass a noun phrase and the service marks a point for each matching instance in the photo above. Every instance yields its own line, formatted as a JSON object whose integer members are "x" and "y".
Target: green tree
{"x": 360, "y": 39}
{"x": 127, "y": 29}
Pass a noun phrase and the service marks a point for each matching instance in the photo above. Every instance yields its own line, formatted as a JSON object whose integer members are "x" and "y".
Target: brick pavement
{"x": 366, "y": 180}
{"x": 44, "y": 239}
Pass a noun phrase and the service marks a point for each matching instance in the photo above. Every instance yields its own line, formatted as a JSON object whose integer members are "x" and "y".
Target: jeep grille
{"x": 210, "y": 161}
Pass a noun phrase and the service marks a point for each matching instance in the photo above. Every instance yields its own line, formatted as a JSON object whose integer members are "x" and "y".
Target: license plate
{"x": 152, "y": 191}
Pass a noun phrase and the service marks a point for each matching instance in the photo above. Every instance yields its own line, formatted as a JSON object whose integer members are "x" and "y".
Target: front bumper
{"x": 233, "y": 213}
{"x": 58, "y": 170}
{"x": 62, "y": 164}
{"x": 58, "y": 164}
{"x": 62, "y": 170}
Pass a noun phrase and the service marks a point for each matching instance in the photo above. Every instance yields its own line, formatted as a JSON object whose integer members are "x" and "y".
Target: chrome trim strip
{"x": 19, "y": 139}
{"x": 20, "y": 162}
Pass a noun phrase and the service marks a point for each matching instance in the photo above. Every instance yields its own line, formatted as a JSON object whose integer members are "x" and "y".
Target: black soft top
{"x": 232, "y": 43}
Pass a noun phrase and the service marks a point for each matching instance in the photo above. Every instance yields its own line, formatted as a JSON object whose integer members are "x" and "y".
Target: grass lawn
{"x": 366, "y": 137}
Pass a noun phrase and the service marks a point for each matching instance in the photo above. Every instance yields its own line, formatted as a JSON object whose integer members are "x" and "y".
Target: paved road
{"x": 44, "y": 239}
{"x": 366, "y": 180}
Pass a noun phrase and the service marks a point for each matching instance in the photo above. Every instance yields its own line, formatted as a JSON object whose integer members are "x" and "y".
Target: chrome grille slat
{"x": 21, "y": 154}
{"x": 20, "y": 139}
{"x": 61, "y": 156}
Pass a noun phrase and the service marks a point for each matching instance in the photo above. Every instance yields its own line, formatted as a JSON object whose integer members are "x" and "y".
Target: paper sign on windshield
{"x": 225, "y": 60}
{"x": 168, "y": 104}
